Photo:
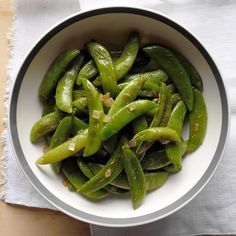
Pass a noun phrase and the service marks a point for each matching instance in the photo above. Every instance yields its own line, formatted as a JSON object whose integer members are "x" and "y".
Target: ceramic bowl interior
{"x": 111, "y": 27}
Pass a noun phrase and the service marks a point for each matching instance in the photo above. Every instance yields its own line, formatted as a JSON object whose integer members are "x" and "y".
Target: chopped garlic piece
{"x": 132, "y": 107}
{"x": 106, "y": 119}
{"x": 71, "y": 147}
{"x": 96, "y": 114}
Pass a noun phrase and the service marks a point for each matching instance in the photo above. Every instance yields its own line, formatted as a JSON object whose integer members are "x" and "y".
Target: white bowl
{"x": 111, "y": 26}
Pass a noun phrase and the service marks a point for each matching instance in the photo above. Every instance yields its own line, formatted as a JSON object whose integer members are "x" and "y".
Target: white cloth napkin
{"x": 213, "y": 22}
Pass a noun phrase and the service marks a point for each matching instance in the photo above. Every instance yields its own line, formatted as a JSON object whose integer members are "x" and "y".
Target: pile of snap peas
{"x": 113, "y": 120}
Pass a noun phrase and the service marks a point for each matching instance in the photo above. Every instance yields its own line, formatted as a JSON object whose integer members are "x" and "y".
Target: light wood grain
{"x": 18, "y": 220}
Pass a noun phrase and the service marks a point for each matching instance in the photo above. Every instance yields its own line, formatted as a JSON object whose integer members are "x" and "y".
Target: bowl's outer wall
{"x": 111, "y": 27}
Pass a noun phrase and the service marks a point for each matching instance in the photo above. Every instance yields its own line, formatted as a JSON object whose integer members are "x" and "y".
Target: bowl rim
{"x": 78, "y": 214}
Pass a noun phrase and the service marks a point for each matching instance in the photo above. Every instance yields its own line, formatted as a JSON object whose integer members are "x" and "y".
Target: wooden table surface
{"x": 17, "y": 219}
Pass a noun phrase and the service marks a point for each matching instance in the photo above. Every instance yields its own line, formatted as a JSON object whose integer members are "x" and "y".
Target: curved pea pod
{"x": 127, "y": 95}
{"x": 156, "y": 179}
{"x": 139, "y": 124}
{"x": 126, "y": 115}
{"x": 162, "y": 134}
{"x": 161, "y": 106}
{"x": 64, "y": 150}
{"x": 85, "y": 168}
{"x": 95, "y": 118}
{"x": 156, "y": 76}
{"x": 60, "y": 136}
{"x": 105, "y": 67}
{"x": 77, "y": 124}
{"x": 110, "y": 171}
{"x": 173, "y": 150}
{"x": 194, "y": 76}
{"x": 197, "y": 122}
{"x": 45, "y": 125}
{"x": 54, "y": 72}
{"x": 120, "y": 181}
{"x": 135, "y": 177}
{"x": 155, "y": 160}
{"x": 123, "y": 64}
{"x": 88, "y": 71}
{"x": 77, "y": 179}
{"x": 170, "y": 63}
{"x": 125, "y": 61}
{"x": 80, "y": 103}
{"x": 65, "y": 86}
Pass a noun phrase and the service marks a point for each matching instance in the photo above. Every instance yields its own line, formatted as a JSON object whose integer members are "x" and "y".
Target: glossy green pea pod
{"x": 54, "y": 73}
{"x": 105, "y": 67}
{"x": 77, "y": 124}
{"x": 77, "y": 179}
{"x": 135, "y": 175}
{"x": 139, "y": 124}
{"x": 124, "y": 63}
{"x": 88, "y": 71}
{"x": 60, "y": 136}
{"x": 65, "y": 86}
{"x": 194, "y": 76}
{"x": 153, "y": 180}
{"x": 155, "y": 160}
{"x": 85, "y": 168}
{"x": 127, "y": 95}
{"x": 78, "y": 93}
{"x": 170, "y": 63}
{"x": 156, "y": 76}
{"x": 161, "y": 107}
{"x": 95, "y": 118}
{"x": 156, "y": 179}
{"x": 167, "y": 110}
{"x": 197, "y": 122}
{"x": 110, "y": 171}
{"x": 65, "y": 150}
{"x": 45, "y": 125}
{"x": 126, "y": 115}
{"x": 176, "y": 121}
{"x": 153, "y": 134}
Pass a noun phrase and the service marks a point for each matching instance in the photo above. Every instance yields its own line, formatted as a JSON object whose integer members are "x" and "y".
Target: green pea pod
{"x": 77, "y": 179}
{"x": 65, "y": 150}
{"x": 162, "y": 134}
{"x": 95, "y": 118}
{"x": 126, "y": 115}
{"x": 148, "y": 94}
{"x": 125, "y": 61}
{"x": 79, "y": 93}
{"x": 170, "y": 63}
{"x": 80, "y": 103}
{"x": 197, "y": 122}
{"x": 156, "y": 76}
{"x": 162, "y": 101}
{"x": 60, "y": 136}
{"x": 77, "y": 124}
{"x": 127, "y": 95}
{"x": 153, "y": 180}
{"x": 156, "y": 179}
{"x": 105, "y": 66}
{"x": 54, "y": 73}
{"x": 139, "y": 124}
{"x": 155, "y": 160}
{"x": 45, "y": 125}
{"x": 175, "y": 98}
{"x": 88, "y": 71}
{"x": 194, "y": 76}
{"x": 110, "y": 171}
{"x": 167, "y": 110}
{"x": 85, "y": 168}
{"x": 65, "y": 86}
{"x": 123, "y": 64}
{"x": 135, "y": 177}
{"x": 176, "y": 121}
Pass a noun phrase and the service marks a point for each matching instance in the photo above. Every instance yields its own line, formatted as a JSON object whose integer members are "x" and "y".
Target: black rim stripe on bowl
{"x": 120, "y": 221}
